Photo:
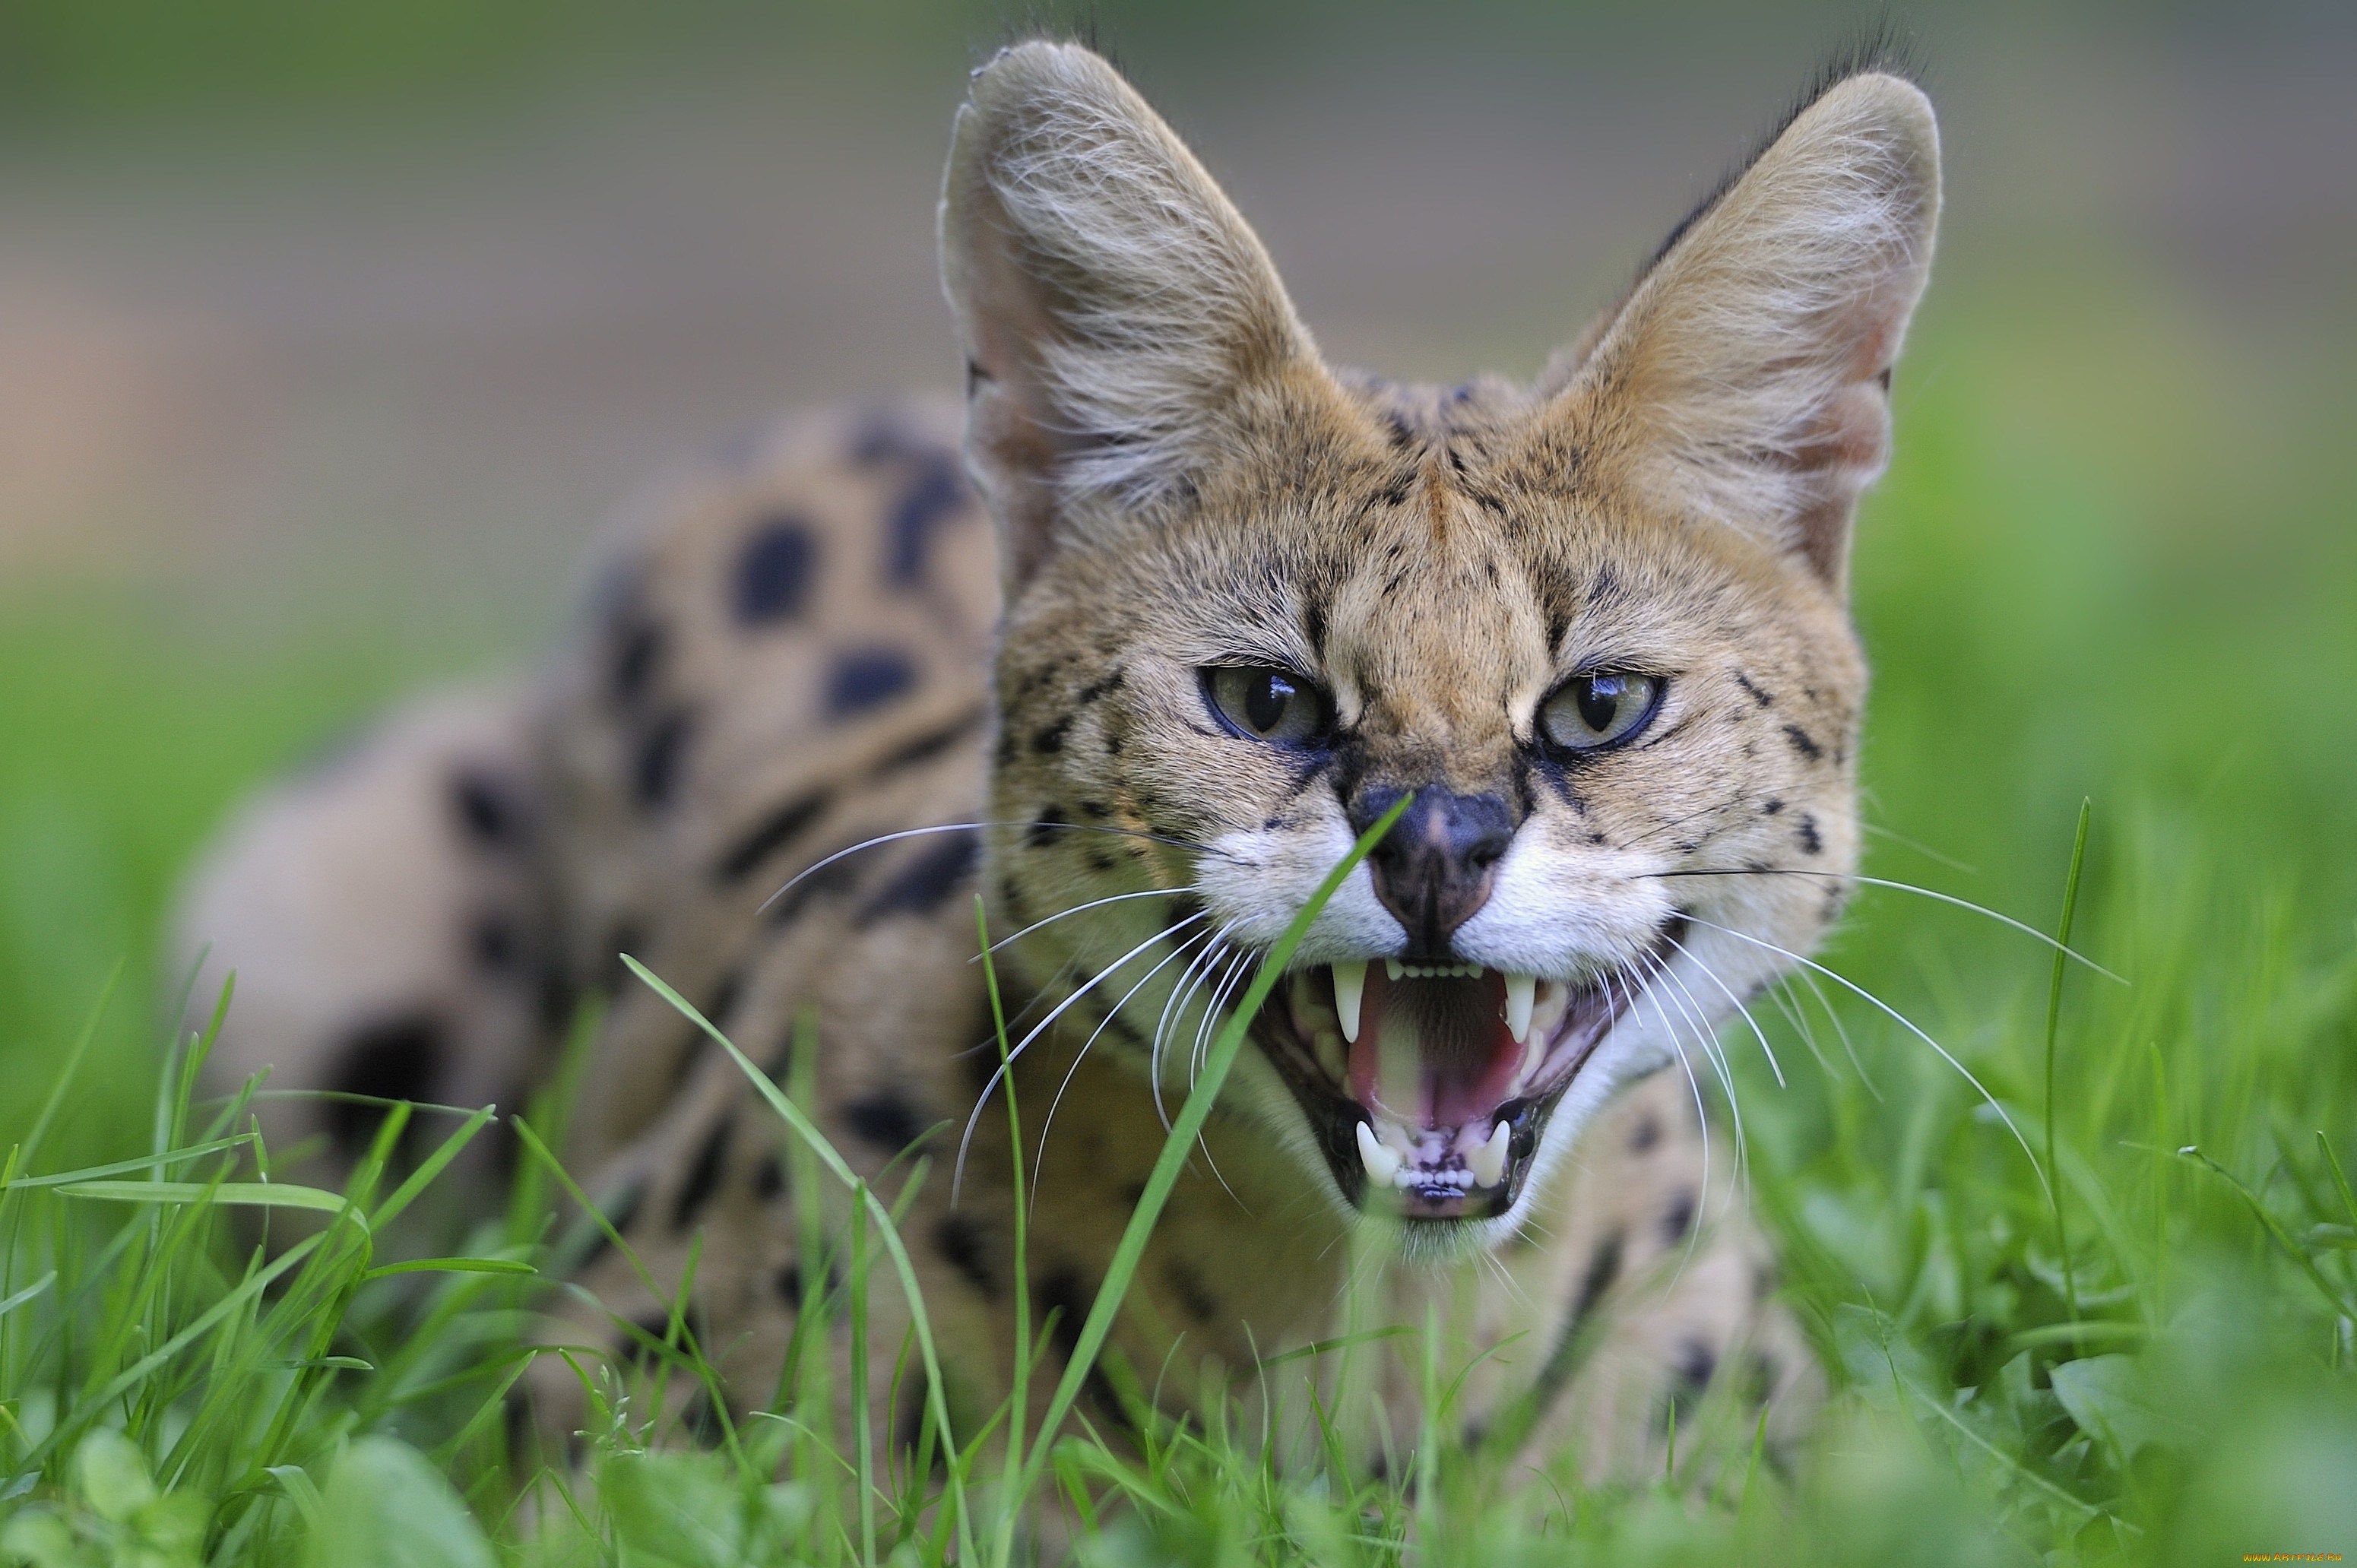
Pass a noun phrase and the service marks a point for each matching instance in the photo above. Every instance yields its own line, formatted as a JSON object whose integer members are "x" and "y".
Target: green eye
{"x": 1272, "y": 705}
{"x": 1590, "y": 712}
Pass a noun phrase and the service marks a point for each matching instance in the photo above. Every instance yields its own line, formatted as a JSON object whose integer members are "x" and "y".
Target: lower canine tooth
{"x": 1382, "y": 1163}
{"x": 1520, "y": 990}
{"x": 1394, "y": 968}
{"x": 1350, "y": 985}
{"x": 1487, "y": 1163}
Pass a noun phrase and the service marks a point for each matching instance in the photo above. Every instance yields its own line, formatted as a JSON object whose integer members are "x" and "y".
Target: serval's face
{"x": 1595, "y": 627}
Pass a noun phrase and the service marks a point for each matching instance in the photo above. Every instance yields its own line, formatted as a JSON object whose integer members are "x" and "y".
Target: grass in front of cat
{"x": 2147, "y": 1358}
{"x": 2152, "y": 1354}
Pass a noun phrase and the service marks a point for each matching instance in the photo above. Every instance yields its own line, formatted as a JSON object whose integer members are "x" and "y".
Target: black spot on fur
{"x": 788, "y": 1283}
{"x": 395, "y": 1057}
{"x": 1064, "y": 1293}
{"x": 836, "y": 876}
{"x": 1193, "y": 1294}
{"x": 959, "y": 1239}
{"x": 775, "y": 568}
{"x": 926, "y": 882}
{"x": 1043, "y": 830}
{"x": 781, "y": 827}
{"x": 1763, "y": 698}
{"x": 1100, "y": 862}
{"x": 1768, "y": 808}
{"x": 937, "y": 495}
{"x": 653, "y": 1332}
{"x": 1678, "y": 1218}
{"x": 694, "y": 1042}
{"x": 662, "y": 753}
{"x": 769, "y": 1178}
{"x": 861, "y": 679}
{"x": 700, "y": 1419}
{"x": 1646, "y": 1133}
{"x": 1695, "y": 1365}
{"x": 1811, "y": 844}
{"x": 1803, "y": 742}
{"x": 1603, "y": 1268}
{"x": 494, "y": 943}
{"x": 486, "y": 809}
{"x": 703, "y": 1174}
{"x": 622, "y": 1214}
{"x": 1050, "y": 739}
{"x": 1095, "y": 811}
{"x": 637, "y": 653}
{"x": 1096, "y": 690}
{"x": 926, "y": 747}
{"x": 886, "y": 1119}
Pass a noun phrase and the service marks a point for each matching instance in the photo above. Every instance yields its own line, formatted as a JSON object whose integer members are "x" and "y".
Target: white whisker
{"x": 1841, "y": 1033}
{"x": 1696, "y": 1014}
{"x": 1932, "y": 893}
{"x": 957, "y": 1178}
{"x": 881, "y": 839}
{"x": 1075, "y": 909}
{"x": 1694, "y": 1085}
{"x": 1757, "y": 1033}
{"x": 1082, "y": 1055}
{"x": 1190, "y": 980}
{"x": 1908, "y": 1024}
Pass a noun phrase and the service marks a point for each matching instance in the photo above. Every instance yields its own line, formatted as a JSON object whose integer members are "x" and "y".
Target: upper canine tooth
{"x": 1394, "y": 968}
{"x": 1382, "y": 1163}
{"x": 1487, "y": 1163}
{"x": 1521, "y": 990}
{"x": 1349, "y": 986}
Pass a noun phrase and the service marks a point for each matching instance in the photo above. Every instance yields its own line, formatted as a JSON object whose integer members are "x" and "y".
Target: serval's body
{"x": 1207, "y": 610}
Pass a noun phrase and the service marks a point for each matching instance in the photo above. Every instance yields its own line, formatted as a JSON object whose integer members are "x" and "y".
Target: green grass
{"x": 2112, "y": 571}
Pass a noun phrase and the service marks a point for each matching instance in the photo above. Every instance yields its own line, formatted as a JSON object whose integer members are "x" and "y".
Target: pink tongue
{"x": 1433, "y": 1053}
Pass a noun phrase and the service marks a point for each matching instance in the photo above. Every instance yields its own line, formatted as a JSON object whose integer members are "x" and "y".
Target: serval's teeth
{"x": 1521, "y": 990}
{"x": 1349, "y": 986}
{"x": 1488, "y": 1163}
{"x": 1394, "y": 968}
{"x": 1383, "y": 1164}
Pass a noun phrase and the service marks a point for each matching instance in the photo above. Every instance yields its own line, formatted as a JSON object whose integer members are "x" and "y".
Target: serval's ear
{"x": 1747, "y": 377}
{"x": 1117, "y": 314}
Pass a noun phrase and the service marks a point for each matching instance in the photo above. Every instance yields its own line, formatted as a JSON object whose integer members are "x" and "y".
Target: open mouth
{"x": 1428, "y": 1086}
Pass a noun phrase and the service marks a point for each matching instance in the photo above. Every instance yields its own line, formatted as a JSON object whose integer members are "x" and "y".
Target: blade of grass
{"x": 1018, "y": 1400}
{"x": 1181, "y": 1140}
{"x": 2053, "y": 1027}
{"x": 887, "y": 1232}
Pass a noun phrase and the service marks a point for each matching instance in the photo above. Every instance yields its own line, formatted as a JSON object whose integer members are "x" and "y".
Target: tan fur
{"x": 1170, "y": 478}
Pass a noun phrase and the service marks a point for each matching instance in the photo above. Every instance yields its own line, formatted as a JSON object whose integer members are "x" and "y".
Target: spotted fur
{"x": 839, "y": 681}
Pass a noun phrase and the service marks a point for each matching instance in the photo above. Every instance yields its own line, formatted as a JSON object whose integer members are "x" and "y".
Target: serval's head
{"x": 1596, "y": 626}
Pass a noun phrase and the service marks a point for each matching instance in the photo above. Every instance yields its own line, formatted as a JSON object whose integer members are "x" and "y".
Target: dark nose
{"x": 1435, "y": 868}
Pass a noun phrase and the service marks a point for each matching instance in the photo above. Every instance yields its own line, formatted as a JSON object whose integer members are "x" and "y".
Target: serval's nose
{"x": 1435, "y": 869}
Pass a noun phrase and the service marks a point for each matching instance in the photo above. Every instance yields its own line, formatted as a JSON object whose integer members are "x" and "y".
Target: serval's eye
{"x": 1273, "y": 706}
{"x": 1590, "y": 712}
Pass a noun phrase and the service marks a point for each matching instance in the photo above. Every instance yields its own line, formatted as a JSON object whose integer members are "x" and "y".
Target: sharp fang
{"x": 1487, "y": 1163}
{"x": 1394, "y": 968}
{"x": 1350, "y": 985}
{"x": 1520, "y": 989}
{"x": 1382, "y": 1163}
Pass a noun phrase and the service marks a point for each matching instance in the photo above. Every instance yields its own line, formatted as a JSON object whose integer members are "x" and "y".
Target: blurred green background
{"x": 327, "y": 334}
